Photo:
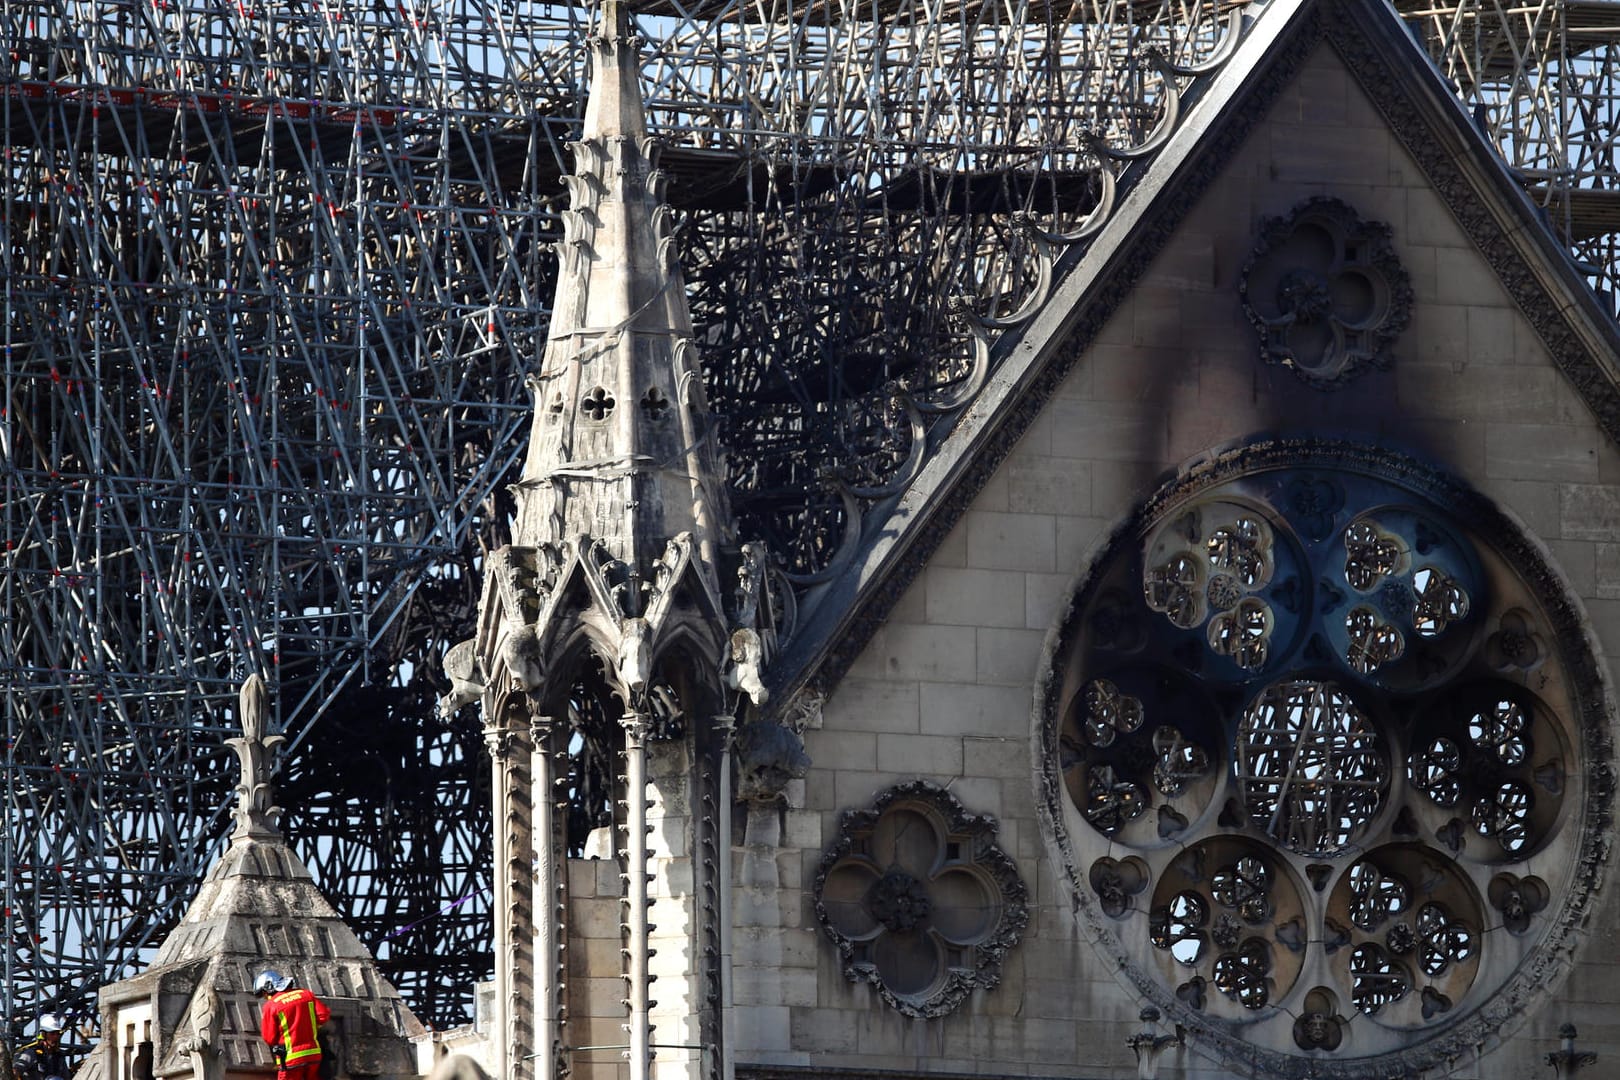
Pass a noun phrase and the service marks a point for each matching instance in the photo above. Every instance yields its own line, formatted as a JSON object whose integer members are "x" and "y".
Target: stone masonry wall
{"x": 944, "y": 691}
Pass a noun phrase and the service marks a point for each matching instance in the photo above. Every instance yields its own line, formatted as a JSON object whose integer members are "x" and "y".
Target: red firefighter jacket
{"x": 292, "y": 1020}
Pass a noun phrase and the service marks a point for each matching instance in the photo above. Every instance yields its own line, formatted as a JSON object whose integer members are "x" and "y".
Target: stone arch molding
{"x": 1323, "y": 755}
{"x": 919, "y": 899}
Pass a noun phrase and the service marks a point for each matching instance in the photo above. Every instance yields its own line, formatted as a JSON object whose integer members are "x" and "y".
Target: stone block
{"x": 910, "y": 651}
{"x": 1036, "y": 441}
{"x": 1116, "y": 491}
{"x": 1559, "y": 452}
{"x": 1048, "y": 485}
{"x": 802, "y": 829}
{"x": 1047, "y": 594}
{"x": 1186, "y": 265}
{"x": 857, "y": 789}
{"x": 1491, "y": 335}
{"x": 1306, "y": 153}
{"x": 1606, "y": 571}
{"x": 1107, "y": 431}
{"x": 762, "y": 1027}
{"x": 841, "y": 749}
{"x": 1528, "y": 346}
{"x": 1577, "y": 561}
{"x": 599, "y": 1065}
{"x": 1008, "y": 657}
{"x": 1536, "y": 502}
{"x": 822, "y": 1031}
{"x": 818, "y": 789}
{"x": 670, "y": 959}
{"x": 673, "y": 878}
{"x": 1118, "y": 330}
{"x": 1032, "y": 1039}
{"x": 1149, "y": 329}
{"x": 671, "y": 1064}
{"x": 993, "y": 496}
{"x": 860, "y": 704}
{"x": 1459, "y": 444}
{"x": 973, "y": 597}
{"x": 912, "y": 607}
{"x": 581, "y": 878}
{"x": 760, "y": 907}
{"x": 952, "y": 551}
{"x": 600, "y": 996}
{"x": 586, "y": 955}
{"x": 608, "y": 882}
{"x": 671, "y": 836}
{"x": 999, "y": 541}
{"x": 1156, "y": 377}
{"x": 1464, "y": 277}
{"x": 594, "y": 918}
{"x": 1077, "y": 539}
{"x": 1428, "y": 223}
{"x": 1529, "y": 395}
{"x": 924, "y": 755}
{"x": 1440, "y": 332}
{"x": 1604, "y": 622}
{"x": 782, "y": 986}
{"x": 964, "y": 709}
{"x": 1006, "y": 756}
{"x": 1589, "y": 511}
{"x": 1420, "y": 261}
{"x": 979, "y": 794}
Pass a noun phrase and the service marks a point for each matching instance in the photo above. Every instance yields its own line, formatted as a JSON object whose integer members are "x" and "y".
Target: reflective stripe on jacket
{"x": 292, "y": 1020}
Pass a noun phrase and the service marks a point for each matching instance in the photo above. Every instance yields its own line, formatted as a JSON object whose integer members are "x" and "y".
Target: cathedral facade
{"x": 1225, "y": 695}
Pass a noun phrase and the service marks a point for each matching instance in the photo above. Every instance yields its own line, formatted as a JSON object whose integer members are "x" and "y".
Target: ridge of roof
{"x": 1428, "y": 119}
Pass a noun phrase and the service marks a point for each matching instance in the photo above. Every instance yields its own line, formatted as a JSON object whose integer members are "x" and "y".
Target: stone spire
{"x": 621, "y": 448}
{"x": 619, "y": 631}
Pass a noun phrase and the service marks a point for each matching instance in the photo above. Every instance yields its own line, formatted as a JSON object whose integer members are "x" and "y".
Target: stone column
{"x": 512, "y": 1023}
{"x": 635, "y": 894}
{"x": 725, "y": 727}
{"x": 548, "y": 930}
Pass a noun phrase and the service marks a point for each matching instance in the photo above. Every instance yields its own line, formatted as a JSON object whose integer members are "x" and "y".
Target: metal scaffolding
{"x": 273, "y": 275}
{"x": 1543, "y": 81}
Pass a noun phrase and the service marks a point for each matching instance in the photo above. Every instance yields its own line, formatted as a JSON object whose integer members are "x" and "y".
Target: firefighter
{"x": 291, "y": 1023}
{"x": 42, "y": 1059}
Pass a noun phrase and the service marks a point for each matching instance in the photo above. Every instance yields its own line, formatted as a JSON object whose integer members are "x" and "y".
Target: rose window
{"x": 921, "y": 902}
{"x": 1317, "y": 746}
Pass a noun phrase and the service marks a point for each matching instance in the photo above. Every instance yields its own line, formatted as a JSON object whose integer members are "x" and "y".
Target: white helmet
{"x": 51, "y": 1022}
{"x": 269, "y": 982}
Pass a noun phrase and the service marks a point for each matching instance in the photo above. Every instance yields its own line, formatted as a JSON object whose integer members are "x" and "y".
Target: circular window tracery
{"x": 1310, "y": 767}
{"x": 1317, "y": 709}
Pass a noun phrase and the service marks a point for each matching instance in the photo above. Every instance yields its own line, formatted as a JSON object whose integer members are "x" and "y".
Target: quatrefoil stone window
{"x": 1352, "y": 835}
{"x": 922, "y": 904}
{"x": 1326, "y": 293}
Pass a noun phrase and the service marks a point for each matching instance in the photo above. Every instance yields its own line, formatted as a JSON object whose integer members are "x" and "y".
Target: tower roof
{"x": 258, "y": 908}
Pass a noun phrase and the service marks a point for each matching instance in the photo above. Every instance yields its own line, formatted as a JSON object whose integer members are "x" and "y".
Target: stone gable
{"x": 943, "y": 689}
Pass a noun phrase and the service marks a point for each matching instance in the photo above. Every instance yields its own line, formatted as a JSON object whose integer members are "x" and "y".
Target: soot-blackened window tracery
{"x": 1311, "y": 728}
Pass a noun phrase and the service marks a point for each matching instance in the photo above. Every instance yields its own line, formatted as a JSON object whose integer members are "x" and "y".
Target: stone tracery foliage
{"x": 923, "y": 905}
{"x": 1361, "y": 800}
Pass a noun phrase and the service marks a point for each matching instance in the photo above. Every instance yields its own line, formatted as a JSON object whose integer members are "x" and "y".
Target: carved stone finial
{"x": 1566, "y": 1060}
{"x": 1150, "y": 1045}
{"x": 255, "y": 813}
